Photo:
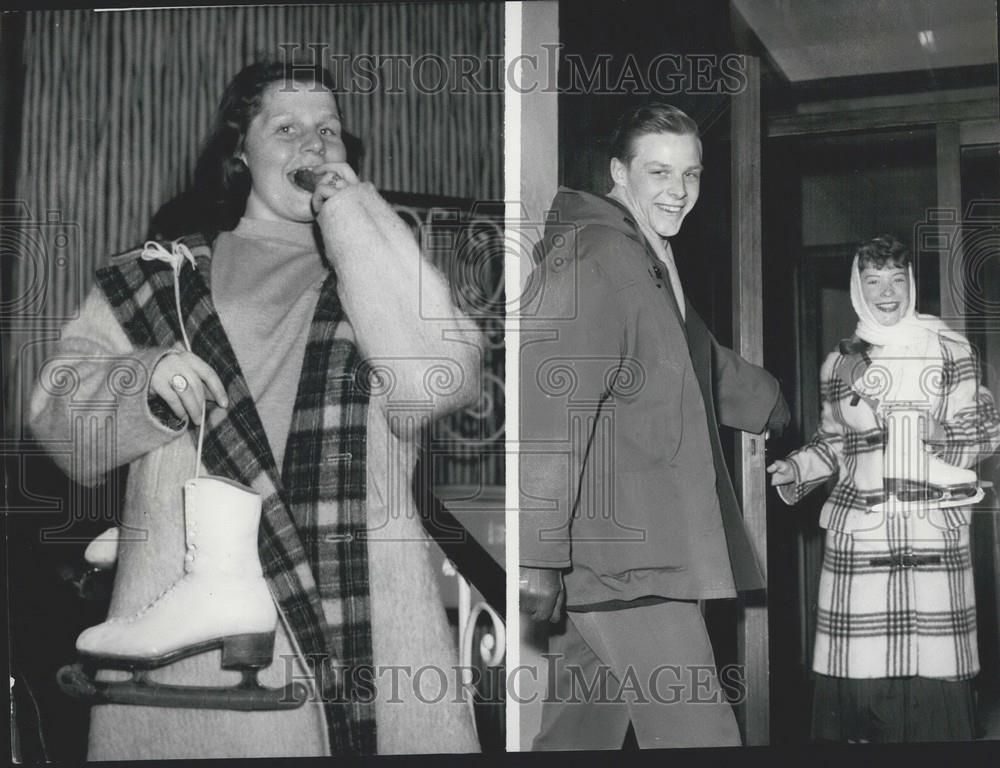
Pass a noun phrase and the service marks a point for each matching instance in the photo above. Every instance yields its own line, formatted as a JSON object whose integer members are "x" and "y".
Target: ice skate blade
{"x": 248, "y": 696}
{"x": 947, "y": 502}
{"x": 964, "y": 502}
{"x": 254, "y": 651}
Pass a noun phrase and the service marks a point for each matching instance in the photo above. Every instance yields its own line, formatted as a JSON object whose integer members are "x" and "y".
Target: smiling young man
{"x": 628, "y": 516}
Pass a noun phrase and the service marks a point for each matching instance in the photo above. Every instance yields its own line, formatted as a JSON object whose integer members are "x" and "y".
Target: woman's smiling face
{"x": 298, "y": 126}
{"x": 887, "y": 293}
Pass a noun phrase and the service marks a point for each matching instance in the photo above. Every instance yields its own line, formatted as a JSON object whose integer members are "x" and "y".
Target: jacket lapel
{"x": 210, "y": 342}
{"x": 657, "y": 271}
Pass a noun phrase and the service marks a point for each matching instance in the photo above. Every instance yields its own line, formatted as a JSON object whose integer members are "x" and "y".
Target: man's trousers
{"x": 651, "y": 665}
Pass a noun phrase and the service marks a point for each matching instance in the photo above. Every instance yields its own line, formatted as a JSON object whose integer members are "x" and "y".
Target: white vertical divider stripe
{"x": 512, "y": 284}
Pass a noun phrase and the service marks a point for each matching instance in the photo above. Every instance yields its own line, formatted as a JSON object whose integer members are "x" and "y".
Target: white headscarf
{"x": 912, "y": 328}
{"x": 903, "y": 352}
{"x": 660, "y": 245}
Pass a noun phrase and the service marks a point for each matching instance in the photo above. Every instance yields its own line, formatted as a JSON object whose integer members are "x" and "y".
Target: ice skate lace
{"x": 175, "y": 257}
{"x": 189, "y": 557}
{"x": 145, "y": 609}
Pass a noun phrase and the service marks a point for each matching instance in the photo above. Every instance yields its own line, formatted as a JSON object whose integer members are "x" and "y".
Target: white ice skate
{"x": 915, "y": 479}
{"x": 221, "y": 601}
{"x": 102, "y": 553}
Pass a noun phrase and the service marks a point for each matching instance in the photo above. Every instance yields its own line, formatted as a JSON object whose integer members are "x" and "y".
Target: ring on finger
{"x": 179, "y": 383}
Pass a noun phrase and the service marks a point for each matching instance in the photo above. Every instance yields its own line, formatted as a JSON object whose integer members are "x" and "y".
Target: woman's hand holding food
{"x": 334, "y": 176}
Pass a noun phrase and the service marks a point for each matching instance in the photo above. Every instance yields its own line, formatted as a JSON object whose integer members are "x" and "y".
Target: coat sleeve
{"x": 969, "y": 427}
{"x": 822, "y": 457}
{"x": 400, "y": 307}
{"x": 90, "y": 406}
{"x": 573, "y": 342}
{"x": 747, "y": 397}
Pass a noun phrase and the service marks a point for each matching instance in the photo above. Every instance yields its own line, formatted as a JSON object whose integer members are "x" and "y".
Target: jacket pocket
{"x": 648, "y": 527}
{"x": 649, "y": 428}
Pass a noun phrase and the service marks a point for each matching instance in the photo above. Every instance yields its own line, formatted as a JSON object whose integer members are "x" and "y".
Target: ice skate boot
{"x": 102, "y": 552}
{"x": 221, "y": 601}
{"x": 915, "y": 479}
{"x": 101, "y": 556}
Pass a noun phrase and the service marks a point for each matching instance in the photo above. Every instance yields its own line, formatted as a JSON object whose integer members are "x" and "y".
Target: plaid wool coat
{"x": 342, "y": 546}
{"x": 896, "y": 593}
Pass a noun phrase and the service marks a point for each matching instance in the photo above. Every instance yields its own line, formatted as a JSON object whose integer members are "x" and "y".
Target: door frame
{"x": 753, "y": 712}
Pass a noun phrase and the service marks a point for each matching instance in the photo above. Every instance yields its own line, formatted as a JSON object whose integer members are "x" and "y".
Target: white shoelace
{"x": 175, "y": 257}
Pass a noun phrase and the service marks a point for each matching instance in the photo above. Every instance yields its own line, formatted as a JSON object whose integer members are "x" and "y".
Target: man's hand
{"x": 542, "y": 593}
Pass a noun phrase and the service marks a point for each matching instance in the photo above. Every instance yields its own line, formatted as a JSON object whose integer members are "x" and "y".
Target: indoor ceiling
{"x": 817, "y": 39}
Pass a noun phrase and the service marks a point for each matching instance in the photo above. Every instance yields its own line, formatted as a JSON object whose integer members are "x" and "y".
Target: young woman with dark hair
{"x": 904, "y": 418}
{"x": 278, "y": 364}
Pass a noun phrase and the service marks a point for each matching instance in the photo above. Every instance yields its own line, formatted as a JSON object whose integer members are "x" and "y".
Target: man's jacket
{"x": 622, "y": 476}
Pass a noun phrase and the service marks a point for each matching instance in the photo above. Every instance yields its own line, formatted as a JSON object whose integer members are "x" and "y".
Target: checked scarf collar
{"x": 312, "y": 533}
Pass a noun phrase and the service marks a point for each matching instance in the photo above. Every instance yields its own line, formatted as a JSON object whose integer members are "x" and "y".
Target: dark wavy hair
{"x": 217, "y": 197}
{"x": 883, "y": 252}
{"x": 649, "y": 117}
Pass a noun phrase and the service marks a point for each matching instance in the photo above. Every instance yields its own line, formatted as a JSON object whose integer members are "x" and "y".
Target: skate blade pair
{"x": 245, "y": 653}
{"x": 913, "y": 497}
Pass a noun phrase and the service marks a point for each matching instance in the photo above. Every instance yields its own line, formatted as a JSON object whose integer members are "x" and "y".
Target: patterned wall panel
{"x": 465, "y": 241}
{"x": 116, "y": 105}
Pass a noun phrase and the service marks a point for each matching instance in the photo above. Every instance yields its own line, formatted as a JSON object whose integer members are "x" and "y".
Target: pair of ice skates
{"x": 222, "y": 601}
{"x": 915, "y": 479}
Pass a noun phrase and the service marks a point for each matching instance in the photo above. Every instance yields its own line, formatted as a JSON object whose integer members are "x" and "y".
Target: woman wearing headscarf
{"x": 284, "y": 356}
{"x": 904, "y": 418}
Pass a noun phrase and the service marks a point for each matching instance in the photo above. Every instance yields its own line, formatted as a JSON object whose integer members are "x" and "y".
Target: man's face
{"x": 663, "y": 178}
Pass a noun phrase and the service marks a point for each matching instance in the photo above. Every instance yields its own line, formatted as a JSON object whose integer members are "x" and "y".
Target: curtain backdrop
{"x": 116, "y": 105}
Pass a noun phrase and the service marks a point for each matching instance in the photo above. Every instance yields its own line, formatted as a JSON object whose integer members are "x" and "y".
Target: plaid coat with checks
{"x": 896, "y": 593}
{"x": 341, "y": 544}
